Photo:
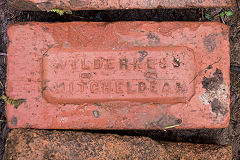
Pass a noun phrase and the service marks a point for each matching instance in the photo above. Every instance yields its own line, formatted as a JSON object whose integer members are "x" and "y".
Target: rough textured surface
{"x": 147, "y": 74}
{"x": 38, "y": 144}
{"x": 227, "y": 136}
{"x": 115, "y": 4}
{"x": 208, "y": 42}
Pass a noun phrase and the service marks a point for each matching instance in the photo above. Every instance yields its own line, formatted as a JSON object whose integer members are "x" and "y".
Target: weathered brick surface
{"x": 115, "y": 4}
{"x": 39, "y": 144}
{"x": 124, "y": 75}
{"x": 140, "y": 74}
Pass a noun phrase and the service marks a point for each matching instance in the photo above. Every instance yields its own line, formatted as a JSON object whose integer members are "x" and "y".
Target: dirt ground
{"x": 227, "y": 136}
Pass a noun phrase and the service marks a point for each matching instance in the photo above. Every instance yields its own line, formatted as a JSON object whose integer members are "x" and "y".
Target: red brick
{"x": 45, "y": 67}
{"x": 115, "y": 4}
{"x": 44, "y": 144}
{"x": 142, "y": 74}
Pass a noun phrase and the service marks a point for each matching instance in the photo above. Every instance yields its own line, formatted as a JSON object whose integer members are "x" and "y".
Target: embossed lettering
{"x": 97, "y": 64}
{"x": 134, "y": 75}
{"x": 129, "y": 88}
{"x": 106, "y": 87}
{"x": 109, "y": 64}
{"x": 153, "y": 87}
{"x": 150, "y": 64}
{"x": 124, "y": 62}
{"x": 81, "y": 87}
{"x": 119, "y": 87}
{"x": 84, "y": 66}
{"x": 141, "y": 86}
{"x": 94, "y": 87}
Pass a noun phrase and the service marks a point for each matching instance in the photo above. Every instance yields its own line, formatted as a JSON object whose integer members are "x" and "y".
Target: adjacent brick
{"x": 123, "y": 75}
{"x": 43, "y": 144}
{"x": 44, "y": 5}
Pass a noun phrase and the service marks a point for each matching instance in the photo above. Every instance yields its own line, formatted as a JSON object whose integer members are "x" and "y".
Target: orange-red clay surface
{"x": 115, "y": 4}
{"x": 123, "y": 75}
{"x": 147, "y": 74}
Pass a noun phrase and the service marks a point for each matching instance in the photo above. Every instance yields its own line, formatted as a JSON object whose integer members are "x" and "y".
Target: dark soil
{"x": 228, "y": 136}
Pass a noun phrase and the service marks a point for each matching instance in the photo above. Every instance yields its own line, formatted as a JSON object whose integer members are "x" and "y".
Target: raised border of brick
{"x": 36, "y": 5}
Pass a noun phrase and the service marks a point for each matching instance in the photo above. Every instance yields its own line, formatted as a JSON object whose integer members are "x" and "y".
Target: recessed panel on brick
{"x": 122, "y": 75}
{"x": 141, "y": 75}
{"x": 36, "y": 5}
